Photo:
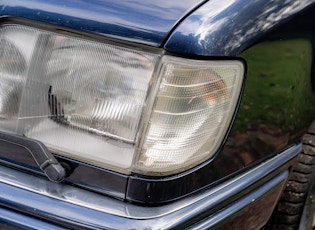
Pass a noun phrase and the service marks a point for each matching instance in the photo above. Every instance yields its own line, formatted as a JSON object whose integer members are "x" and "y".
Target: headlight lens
{"x": 191, "y": 113}
{"x": 82, "y": 99}
{"x": 89, "y": 101}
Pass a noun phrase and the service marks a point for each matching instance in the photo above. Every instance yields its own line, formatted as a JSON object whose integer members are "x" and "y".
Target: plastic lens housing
{"x": 82, "y": 99}
{"x": 120, "y": 108}
{"x": 191, "y": 114}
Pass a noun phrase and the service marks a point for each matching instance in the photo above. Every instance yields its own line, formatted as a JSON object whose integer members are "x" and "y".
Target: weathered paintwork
{"x": 146, "y": 22}
{"x": 226, "y": 28}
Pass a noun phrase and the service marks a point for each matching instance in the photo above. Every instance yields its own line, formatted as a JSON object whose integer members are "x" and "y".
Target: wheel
{"x": 296, "y": 207}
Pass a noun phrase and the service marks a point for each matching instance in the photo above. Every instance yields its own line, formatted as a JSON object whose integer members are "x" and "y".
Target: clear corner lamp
{"x": 113, "y": 106}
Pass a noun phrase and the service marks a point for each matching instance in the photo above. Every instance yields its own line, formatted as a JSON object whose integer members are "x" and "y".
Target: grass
{"x": 278, "y": 87}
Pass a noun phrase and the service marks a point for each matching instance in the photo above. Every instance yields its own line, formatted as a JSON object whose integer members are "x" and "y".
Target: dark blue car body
{"x": 241, "y": 187}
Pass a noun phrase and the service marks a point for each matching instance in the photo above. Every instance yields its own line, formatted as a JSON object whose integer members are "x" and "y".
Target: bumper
{"x": 244, "y": 201}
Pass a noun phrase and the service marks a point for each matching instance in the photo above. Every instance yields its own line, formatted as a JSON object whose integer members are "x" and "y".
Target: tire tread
{"x": 289, "y": 210}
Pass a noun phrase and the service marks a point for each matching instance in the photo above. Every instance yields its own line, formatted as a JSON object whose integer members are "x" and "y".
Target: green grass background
{"x": 278, "y": 86}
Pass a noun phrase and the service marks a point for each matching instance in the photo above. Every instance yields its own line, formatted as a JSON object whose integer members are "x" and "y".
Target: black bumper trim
{"x": 74, "y": 207}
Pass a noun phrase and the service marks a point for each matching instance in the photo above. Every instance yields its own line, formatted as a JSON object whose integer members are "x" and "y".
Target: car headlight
{"x": 193, "y": 108}
{"x": 114, "y": 106}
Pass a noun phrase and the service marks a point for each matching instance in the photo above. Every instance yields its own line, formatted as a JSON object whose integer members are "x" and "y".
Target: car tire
{"x": 295, "y": 210}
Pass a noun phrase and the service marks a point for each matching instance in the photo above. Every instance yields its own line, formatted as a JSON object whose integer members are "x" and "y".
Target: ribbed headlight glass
{"x": 82, "y": 99}
{"x": 191, "y": 113}
{"x": 113, "y": 106}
